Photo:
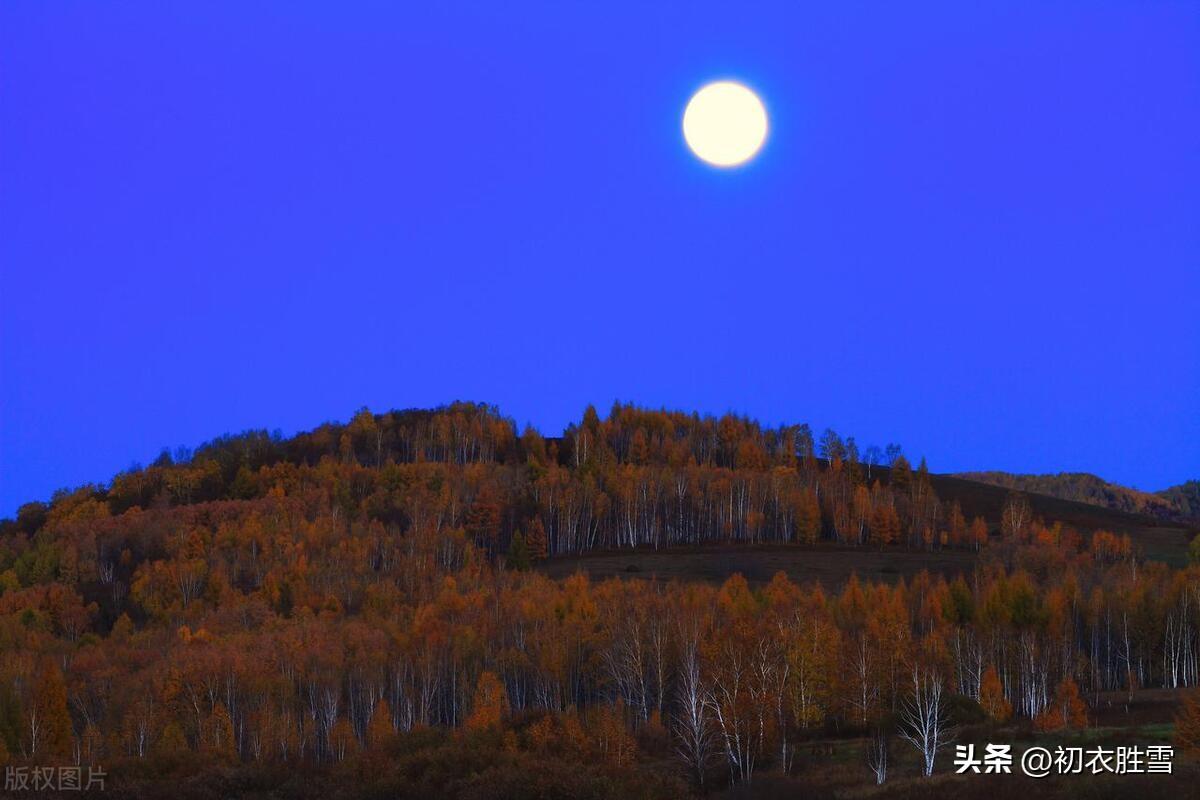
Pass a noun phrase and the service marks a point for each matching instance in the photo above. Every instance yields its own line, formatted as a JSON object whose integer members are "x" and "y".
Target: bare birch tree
{"x": 924, "y": 721}
{"x": 692, "y": 725}
{"x": 877, "y": 754}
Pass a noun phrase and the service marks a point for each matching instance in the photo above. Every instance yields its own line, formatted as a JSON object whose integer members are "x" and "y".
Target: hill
{"x": 392, "y": 607}
{"x": 1178, "y": 503}
{"x": 1185, "y": 497}
{"x": 639, "y": 479}
{"x": 1159, "y": 539}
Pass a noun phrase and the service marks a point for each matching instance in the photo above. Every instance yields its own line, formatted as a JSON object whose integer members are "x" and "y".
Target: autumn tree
{"x": 831, "y": 447}
{"x": 48, "y": 726}
{"x": 219, "y": 739}
{"x": 1015, "y": 516}
{"x": 342, "y": 742}
{"x": 518, "y": 553}
{"x": 1187, "y": 723}
{"x": 172, "y": 742}
{"x": 810, "y": 641}
{"x": 807, "y": 513}
{"x": 1066, "y": 710}
{"x": 613, "y": 740}
{"x": 379, "y": 729}
{"x": 978, "y": 534}
{"x": 956, "y": 525}
{"x": 490, "y": 702}
{"x": 735, "y": 697}
{"x": 11, "y": 723}
{"x": 885, "y": 525}
{"x": 538, "y": 544}
{"x": 901, "y": 476}
{"x": 484, "y": 517}
{"x": 991, "y": 696}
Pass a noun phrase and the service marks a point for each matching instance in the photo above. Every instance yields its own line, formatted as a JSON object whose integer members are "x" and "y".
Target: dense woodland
{"x": 360, "y": 598}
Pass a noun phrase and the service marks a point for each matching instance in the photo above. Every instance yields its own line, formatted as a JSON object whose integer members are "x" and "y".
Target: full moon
{"x": 725, "y": 124}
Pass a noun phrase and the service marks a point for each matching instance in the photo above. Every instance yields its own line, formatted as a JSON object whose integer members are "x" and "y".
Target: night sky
{"x": 974, "y": 228}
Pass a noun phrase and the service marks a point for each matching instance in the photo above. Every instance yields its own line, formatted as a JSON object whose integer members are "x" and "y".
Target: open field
{"x": 831, "y": 565}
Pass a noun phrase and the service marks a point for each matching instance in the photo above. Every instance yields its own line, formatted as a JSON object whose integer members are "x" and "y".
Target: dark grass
{"x": 831, "y": 565}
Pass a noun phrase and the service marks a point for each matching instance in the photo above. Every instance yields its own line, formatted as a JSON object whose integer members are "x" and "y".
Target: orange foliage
{"x": 490, "y": 704}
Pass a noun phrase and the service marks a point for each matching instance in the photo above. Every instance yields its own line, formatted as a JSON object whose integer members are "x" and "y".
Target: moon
{"x": 725, "y": 124}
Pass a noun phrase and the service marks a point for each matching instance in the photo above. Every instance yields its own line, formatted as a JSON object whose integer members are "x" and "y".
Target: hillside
{"x": 831, "y": 565}
{"x": 640, "y": 479}
{"x": 1178, "y": 503}
{"x": 1164, "y": 540}
{"x": 1185, "y": 497}
{"x": 393, "y": 607}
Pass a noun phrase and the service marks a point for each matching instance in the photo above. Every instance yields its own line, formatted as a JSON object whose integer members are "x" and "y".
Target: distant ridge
{"x": 1179, "y": 503}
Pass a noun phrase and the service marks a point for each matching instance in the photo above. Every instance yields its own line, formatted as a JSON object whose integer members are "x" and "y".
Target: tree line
{"x": 637, "y": 478}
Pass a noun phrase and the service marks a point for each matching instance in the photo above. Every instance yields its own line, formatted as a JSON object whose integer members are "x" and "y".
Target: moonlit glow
{"x": 725, "y": 124}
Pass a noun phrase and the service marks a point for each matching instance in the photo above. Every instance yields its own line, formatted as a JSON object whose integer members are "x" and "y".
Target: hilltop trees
{"x": 637, "y": 478}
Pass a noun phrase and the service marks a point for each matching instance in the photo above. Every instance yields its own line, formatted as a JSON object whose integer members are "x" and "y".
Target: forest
{"x": 358, "y": 611}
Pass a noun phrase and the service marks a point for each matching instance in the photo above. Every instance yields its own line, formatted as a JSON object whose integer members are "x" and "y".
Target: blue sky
{"x": 973, "y": 229}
